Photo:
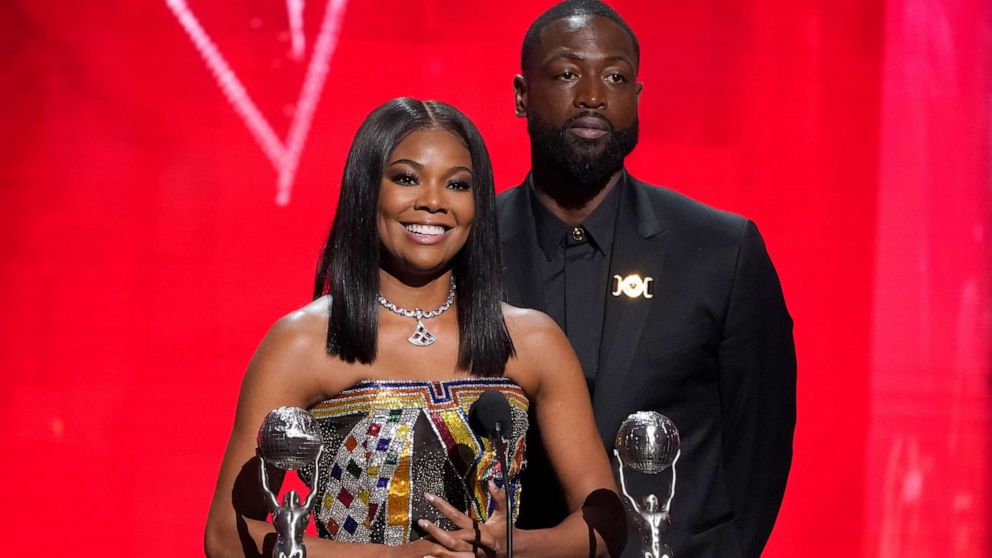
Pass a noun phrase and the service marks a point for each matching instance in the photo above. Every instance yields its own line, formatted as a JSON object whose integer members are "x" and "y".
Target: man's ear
{"x": 639, "y": 87}
{"x": 520, "y": 95}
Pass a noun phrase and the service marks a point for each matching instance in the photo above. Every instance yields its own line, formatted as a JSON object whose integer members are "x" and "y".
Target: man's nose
{"x": 591, "y": 94}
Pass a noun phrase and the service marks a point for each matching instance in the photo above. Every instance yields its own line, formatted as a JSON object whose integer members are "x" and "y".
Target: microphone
{"x": 489, "y": 416}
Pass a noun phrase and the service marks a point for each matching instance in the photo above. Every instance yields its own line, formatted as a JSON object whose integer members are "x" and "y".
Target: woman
{"x": 406, "y": 330}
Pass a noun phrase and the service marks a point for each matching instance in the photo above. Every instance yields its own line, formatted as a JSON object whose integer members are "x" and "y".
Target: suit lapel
{"x": 638, "y": 247}
{"x": 520, "y": 252}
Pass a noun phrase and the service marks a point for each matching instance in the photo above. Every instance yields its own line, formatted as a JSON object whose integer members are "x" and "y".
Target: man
{"x": 672, "y": 306}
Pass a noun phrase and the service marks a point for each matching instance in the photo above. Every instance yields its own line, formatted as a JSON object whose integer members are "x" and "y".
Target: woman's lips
{"x": 425, "y": 234}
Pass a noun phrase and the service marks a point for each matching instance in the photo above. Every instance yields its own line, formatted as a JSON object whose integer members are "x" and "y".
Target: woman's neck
{"x": 424, "y": 293}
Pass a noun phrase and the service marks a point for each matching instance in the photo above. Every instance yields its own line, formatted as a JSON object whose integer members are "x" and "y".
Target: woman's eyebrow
{"x": 413, "y": 164}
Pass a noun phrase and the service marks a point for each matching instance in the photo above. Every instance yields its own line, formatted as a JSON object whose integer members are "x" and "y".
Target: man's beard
{"x": 582, "y": 169}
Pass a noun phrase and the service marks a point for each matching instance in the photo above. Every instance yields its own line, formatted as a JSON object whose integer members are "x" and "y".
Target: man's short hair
{"x": 566, "y": 9}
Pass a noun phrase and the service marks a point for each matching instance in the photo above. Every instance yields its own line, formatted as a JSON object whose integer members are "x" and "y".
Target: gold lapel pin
{"x": 633, "y": 286}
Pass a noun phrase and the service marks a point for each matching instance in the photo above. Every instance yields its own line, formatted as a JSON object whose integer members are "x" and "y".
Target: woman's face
{"x": 426, "y": 204}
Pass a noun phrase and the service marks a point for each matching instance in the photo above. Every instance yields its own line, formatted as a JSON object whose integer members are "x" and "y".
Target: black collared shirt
{"x": 574, "y": 273}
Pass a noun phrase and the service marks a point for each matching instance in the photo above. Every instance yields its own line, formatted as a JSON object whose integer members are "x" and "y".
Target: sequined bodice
{"x": 387, "y": 443}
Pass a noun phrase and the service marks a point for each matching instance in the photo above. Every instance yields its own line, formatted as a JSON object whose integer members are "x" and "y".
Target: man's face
{"x": 580, "y": 96}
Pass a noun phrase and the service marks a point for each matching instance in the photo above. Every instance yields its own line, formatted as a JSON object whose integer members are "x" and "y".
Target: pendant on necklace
{"x": 421, "y": 336}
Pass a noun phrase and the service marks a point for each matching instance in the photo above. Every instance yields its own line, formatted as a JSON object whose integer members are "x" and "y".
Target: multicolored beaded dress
{"x": 387, "y": 443}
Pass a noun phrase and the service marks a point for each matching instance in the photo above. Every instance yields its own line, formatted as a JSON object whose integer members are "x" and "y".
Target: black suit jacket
{"x": 712, "y": 350}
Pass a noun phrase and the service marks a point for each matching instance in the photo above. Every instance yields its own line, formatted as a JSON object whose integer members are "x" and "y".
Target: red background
{"x": 143, "y": 255}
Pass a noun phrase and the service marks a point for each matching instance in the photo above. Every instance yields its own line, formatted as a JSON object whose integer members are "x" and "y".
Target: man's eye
{"x": 567, "y": 75}
{"x": 460, "y": 185}
{"x": 616, "y": 78}
{"x": 405, "y": 179}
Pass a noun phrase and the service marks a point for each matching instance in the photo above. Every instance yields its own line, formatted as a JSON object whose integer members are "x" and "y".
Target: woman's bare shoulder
{"x": 293, "y": 354}
{"x": 541, "y": 347}
{"x": 304, "y": 328}
{"x": 527, "y": 321}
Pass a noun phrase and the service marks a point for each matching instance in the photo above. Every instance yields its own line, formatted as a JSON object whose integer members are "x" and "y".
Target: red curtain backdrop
{"x": 169, "y": 169}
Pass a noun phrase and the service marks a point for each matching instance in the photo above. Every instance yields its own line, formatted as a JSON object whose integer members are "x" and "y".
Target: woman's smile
{"x": 426, "y": 233}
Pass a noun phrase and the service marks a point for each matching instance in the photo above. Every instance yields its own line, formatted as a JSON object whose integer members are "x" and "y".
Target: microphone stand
{"x": 500, "y": 445}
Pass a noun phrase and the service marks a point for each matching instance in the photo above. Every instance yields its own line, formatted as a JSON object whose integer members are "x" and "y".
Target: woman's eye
{"x": 460, "y": 185}
{"x": 405, "y": 179}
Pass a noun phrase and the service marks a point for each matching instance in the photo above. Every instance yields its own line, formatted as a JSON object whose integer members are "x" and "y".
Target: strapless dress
{"x": 387, "y": 443}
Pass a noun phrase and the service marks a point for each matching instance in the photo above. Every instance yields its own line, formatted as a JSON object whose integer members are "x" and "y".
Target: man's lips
{"x": 589, "y": 127}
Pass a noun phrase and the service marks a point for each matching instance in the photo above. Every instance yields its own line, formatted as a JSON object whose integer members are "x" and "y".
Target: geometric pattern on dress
{"x": 362, "y": 471}
{"x": 453, "y": 430}
{"x": 370, "y": 472}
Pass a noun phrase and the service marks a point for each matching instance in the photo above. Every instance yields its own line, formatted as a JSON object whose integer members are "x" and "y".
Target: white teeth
{"x": 429, "y": 230}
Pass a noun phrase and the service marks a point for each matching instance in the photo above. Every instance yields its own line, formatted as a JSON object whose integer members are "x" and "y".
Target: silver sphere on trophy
{"x": 648, "y": 442}
{"x": 289, "y": 438}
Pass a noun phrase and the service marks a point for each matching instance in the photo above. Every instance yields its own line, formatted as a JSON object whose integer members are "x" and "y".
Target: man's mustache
{"x": 590, "y": 114}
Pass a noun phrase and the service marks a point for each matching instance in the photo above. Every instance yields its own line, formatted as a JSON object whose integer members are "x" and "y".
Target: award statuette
{"x": 289, "y": 438}
{"x": 648, "y": 442}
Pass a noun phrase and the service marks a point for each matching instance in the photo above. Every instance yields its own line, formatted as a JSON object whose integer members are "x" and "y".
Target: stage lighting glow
{"x": 284, "y": 154}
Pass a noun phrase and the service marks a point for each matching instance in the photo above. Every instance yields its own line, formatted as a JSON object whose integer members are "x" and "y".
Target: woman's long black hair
{"x": 349, "y": 266}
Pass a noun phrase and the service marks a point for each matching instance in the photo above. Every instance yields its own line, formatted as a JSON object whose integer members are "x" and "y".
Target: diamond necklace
{"x": 421, "y": 336}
